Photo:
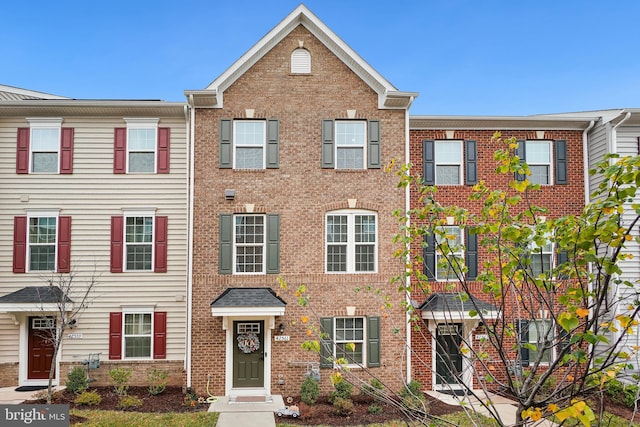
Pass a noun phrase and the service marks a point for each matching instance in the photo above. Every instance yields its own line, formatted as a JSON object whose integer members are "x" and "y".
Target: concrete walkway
{"x": 234, "y": 414}
{"x": 9, "y": 395}
{"x": 505, "y": 408}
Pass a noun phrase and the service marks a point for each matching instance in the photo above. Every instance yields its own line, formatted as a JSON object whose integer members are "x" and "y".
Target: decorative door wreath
{"x": 249, "y": 342}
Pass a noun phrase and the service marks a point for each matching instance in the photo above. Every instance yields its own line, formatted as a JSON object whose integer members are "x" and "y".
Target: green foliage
{"x": 375, "y": 388}
{"x": 343, "y": 390}
{"x": 309, "y": 391}
{"x": 77, "y": 380}
{"x": 343, "y": 407}
{"x": 157, "y": 379}
{"x": 374, "y": 409}
{"x": 413, "y": 388}
{"x": 120, "y": 378}
{"x": 88, "y": 398}
{"x": 129, "y": 402}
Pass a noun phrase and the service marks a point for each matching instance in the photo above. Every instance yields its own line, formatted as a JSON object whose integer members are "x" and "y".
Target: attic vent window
{"x": 300, "y": 61}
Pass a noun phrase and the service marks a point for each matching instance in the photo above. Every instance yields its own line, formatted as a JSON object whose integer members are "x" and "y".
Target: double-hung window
{"x": 351, "y": 142}
{"x": 538, "y": 156}
{"x": 448, "y": 162}
{"x": 249, "y": 143}
{"x": 45, "y": 145}
{"x": 450, "y": 256}
{"x": 536, "y": 341}
{"x": 42, "y": 238}
{"x": 141, "y": 145}
{"x": 249, "y": 233}
{"x": 349, "y": 339}
{"x": 541, "y": 258}
{"x": 139, "y": 242}
{"x": 351, "y": 242}
{"x": 137, "y": 335}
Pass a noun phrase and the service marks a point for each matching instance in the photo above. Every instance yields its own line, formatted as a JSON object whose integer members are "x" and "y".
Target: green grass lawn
{"x": 96, "y": 418}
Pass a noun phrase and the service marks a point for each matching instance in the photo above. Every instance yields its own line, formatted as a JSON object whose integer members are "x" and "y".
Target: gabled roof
{"x": 388, "y": 96}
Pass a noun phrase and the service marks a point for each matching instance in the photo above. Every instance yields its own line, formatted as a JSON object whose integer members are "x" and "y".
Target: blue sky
{"x": 476, "y": 57}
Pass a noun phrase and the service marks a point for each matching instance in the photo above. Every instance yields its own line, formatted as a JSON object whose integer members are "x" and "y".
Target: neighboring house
{"x": 289, "y": 150}
{"x": 454, "y": 153}
{"x": 92, "y": 187}
{"x": 618, "y": 132}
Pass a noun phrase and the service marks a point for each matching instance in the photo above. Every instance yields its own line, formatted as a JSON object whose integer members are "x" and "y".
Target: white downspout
{"x": 585, "y": 162}
{"x": 191, "y": 167}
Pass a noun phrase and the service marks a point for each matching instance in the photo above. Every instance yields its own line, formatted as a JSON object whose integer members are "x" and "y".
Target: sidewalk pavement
{"x": 235, "y": 414}
{"x": 505, "y": 408}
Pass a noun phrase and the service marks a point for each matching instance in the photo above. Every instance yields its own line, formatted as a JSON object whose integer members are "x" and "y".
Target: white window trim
{"x": 136, "y": 310}
{"x": 460, "y": 254}
{"x": 143, "y": 123}
{"x": 551, "y": 159}
{"x": 263, "y": 145}
{"x": 552, "y": 350}
{"x": 44, "y": 123}
{"x": 365, "y": 335}
{"x": 43, "y": 214}
{"x": 264, "y": 246}
{"x": 141, "y": 213}
{"x": 351, "y": 243}
{"x": 552, "y": 252}
{"x": 438, "y": 163}
{"x": 364, "y": 144}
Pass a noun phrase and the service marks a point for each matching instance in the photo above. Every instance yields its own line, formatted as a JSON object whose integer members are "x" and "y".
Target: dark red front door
{"x": 40, "y": 348}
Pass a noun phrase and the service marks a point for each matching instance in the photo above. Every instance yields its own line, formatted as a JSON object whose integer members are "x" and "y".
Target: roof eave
{"x": 500, "y": 122}
{"x": 91, "y": 108}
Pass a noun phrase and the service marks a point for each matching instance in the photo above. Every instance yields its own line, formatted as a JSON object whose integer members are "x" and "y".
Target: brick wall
{"x": 100, "y": 376}
{"x": 301, "y": 192}
{"x": 8, "y": 374}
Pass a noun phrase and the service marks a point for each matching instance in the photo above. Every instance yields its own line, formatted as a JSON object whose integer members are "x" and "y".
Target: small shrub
{"x": 343, "y": 407}
{"x": 77, "y": 380}
{"x": 630, "y": 395}
{"x": 120, "y": 378}
{"x": 412, "y": 397}
{"x": 128, "y": 402}
{"x": 615, "y": 390}
{"x": 157, "y": 379}
{"x": 309, "y": 391}
{"x": 374, "y": 409}
{"x": 190, "y": 400}
{"x": 88, "y": 398}
{"x": 343, "y": 390}
{"x": 374, "y": 388}
{"x": 412, "y": 389}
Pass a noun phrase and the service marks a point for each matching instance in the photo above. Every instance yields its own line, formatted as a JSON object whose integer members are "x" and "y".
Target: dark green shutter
{"x": 563, "y": 258}
{"x": 521, "y": 152}
{"x": 226, "y": 244}
{"x": 373, "y": 342}
{"x": 328, "y": 161}
{"x": 564, "y": 341}
{"x": 428, "y": 162}
{"x": 561, "y": 162}
{"x": 326, "y": 342}
{"x": 374, "y": 157}
{"x": 273, "y": 143}
{"x": 471, "y": 162}
{"x": 471, "y": 254}
{"x": 429, "y": 256}
{"x": 273, "y": 244}
{"x": 226, "y": 143}
{"x": 523, "y": 335}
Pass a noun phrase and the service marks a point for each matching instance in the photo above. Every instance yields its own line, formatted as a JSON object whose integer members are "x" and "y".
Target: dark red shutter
{"x": 163, "y": 150}
{"x": 22, "y": 152}
{"x": 66, "y": 151}
{"x": 161, "y": 244}
{"x": 120, "y": 151}
{"x": 117, "y": 245}
{"x": 19, "y": 244}
{"x": 64, "y": 244}
{"x": 160, "y": 335}
{"x": 115, "y": 336}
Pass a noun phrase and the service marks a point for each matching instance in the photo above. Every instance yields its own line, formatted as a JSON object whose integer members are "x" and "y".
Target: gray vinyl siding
{"x": 598, "y": 148}
{"x": 91, "y": 195}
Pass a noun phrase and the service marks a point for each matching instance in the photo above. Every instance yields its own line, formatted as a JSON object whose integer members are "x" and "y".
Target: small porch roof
{"x": 455, "y": 306}
{"x": 248, "y": 302}
{"x": 34, "y": 298}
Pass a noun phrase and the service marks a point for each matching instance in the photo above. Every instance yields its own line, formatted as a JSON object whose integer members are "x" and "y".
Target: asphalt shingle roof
{"x": 455, "y": 302}
{"x": 248, "y": 297}
{"x": 35, "y": 295}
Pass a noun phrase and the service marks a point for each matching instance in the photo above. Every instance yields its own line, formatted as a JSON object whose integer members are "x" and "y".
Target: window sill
{"x": 352, "y": 170}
